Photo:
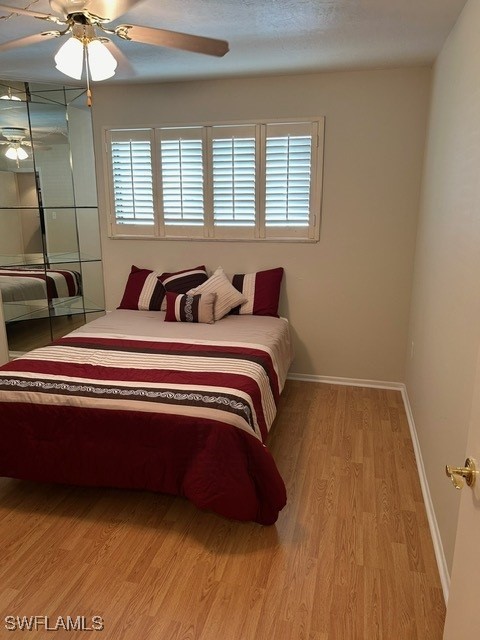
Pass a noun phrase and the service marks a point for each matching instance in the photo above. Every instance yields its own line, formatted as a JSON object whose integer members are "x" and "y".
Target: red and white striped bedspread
{"x": 19, "y": 284}
{"x": 154, "y": 413}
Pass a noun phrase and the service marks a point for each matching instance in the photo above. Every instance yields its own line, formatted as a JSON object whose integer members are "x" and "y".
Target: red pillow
{"x": 262, "y": 290}
{"x": 143, "y": 291}
{"x": 183, "y": 281}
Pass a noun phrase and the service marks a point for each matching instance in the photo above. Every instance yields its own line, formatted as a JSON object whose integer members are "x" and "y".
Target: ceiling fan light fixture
{"x": 101, "y": 62}
{"x": 16, "y": 153}
{"x": 69, "y": 58}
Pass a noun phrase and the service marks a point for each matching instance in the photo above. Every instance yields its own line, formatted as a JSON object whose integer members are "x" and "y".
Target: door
{"x": 463, "y": 608}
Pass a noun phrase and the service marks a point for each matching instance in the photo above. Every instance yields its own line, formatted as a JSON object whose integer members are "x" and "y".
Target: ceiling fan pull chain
{"x": 87, "y": 73}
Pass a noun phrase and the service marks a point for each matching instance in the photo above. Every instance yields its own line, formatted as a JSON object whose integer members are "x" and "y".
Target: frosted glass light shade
{"x": 101, "y": 63}
{"x": 16, "y": 154}
{"x": 69, "y": 58}
{"x": 21, "y": 154}
{"x": 10, "y": 97}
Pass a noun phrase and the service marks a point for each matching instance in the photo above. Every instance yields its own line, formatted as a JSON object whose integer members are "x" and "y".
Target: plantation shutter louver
{"x": 288, "y": 173}
{"x": 234, "y": 176}
{"x": 182, "y": 170}
{"x": 131, "y": 162}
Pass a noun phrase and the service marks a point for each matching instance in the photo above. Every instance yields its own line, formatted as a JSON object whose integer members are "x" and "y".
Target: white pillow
{"x": 227, "y": 296}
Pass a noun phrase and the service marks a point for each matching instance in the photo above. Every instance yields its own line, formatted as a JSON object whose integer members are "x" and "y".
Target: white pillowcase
{"x": 227, "y": 296}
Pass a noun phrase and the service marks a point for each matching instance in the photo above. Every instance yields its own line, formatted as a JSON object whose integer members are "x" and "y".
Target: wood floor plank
{"x": 349, "y": 558}
{"x": 404, "y": 594}
{"x": 373, "y": 605}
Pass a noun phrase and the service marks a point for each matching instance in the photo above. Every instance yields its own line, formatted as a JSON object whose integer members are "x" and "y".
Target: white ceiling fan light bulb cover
{"x": 21, "y": 154}
{"x": 69, "y": 58}
{"x": 11, "y": 153}
{"x": 101, "y": 62}
{"x": 16, "y": 153}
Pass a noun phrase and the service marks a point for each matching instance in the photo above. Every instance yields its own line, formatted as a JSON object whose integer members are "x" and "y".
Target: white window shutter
{"x": 131, "y": 189}
{"x": 288, "y": 174}
{"x": 251, "y": 181}
{"x": 182, "y": 177}
{"x": 234, "y": 169}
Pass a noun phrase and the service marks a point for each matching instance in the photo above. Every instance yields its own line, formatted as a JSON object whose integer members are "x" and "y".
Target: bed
{"x": 22, "y": 284}
{"x": 131, "y": 401}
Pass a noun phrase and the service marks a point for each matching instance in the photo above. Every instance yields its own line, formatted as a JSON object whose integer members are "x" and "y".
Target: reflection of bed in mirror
{"x": 22, "y": 284}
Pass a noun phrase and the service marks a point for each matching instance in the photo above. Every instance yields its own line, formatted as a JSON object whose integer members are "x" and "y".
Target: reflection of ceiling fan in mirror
{"x": 15, "y": 141}
{"x": 85, "y": 21}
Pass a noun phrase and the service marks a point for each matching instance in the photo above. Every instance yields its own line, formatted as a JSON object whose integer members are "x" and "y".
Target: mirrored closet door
{"x": 50, "y": 262}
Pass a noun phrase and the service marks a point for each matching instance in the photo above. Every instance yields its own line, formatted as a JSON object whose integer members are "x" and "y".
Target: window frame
{"x": 209, "y": 231}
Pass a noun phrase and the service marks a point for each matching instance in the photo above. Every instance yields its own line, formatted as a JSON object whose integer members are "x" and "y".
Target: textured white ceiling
{"x": 265, "y": 36}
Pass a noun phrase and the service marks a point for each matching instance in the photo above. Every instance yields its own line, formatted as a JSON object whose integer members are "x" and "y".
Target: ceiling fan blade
{"x": 123, "y": 63}
{"x": 109, "y": 9}
{"x": 25, "y": 12}
{"x": 28, "y": 40}
{"x": 173, "y": 39}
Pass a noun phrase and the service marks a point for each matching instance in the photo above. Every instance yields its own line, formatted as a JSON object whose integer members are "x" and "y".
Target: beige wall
{"x": 347, "y": 296}
{"x": 445, "y": 317}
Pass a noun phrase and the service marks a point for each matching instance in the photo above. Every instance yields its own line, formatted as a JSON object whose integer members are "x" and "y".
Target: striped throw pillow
{"x": 183, "y": 281}
{"x": 227, "y": 296}
{"x": 143, "y": 291}
{"x": 190, "y": 308}
{"x": 262, "y": 291}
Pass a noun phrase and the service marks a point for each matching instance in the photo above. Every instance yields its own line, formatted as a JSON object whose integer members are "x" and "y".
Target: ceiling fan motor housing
{"x": 83, "y": 31}
{"x": 67, "y": 8}
{"x": 14, "y": 134}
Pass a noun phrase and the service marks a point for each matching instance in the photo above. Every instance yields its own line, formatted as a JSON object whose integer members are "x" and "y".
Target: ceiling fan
{"x": 82, "y": 19}
{"x": 15, "y": 141}
{"x": 18, "y": 137}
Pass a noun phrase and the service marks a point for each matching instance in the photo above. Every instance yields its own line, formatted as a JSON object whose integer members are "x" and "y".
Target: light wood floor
{"x": 350, "y": 557}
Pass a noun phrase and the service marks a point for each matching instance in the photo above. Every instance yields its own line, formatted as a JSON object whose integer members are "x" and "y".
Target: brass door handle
{"x": 460, "y": 475}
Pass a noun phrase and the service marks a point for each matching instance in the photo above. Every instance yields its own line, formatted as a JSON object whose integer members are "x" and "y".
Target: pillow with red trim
{"x": 190, "y": 307}
{"x": 143, "y": 291}
{"x": 262, "y": 290}
{"x": 182, "y": 281}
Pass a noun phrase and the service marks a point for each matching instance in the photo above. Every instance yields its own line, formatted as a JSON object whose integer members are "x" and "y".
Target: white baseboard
{"x": 349, "y": 382}
{"x": 427, "y": 498}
